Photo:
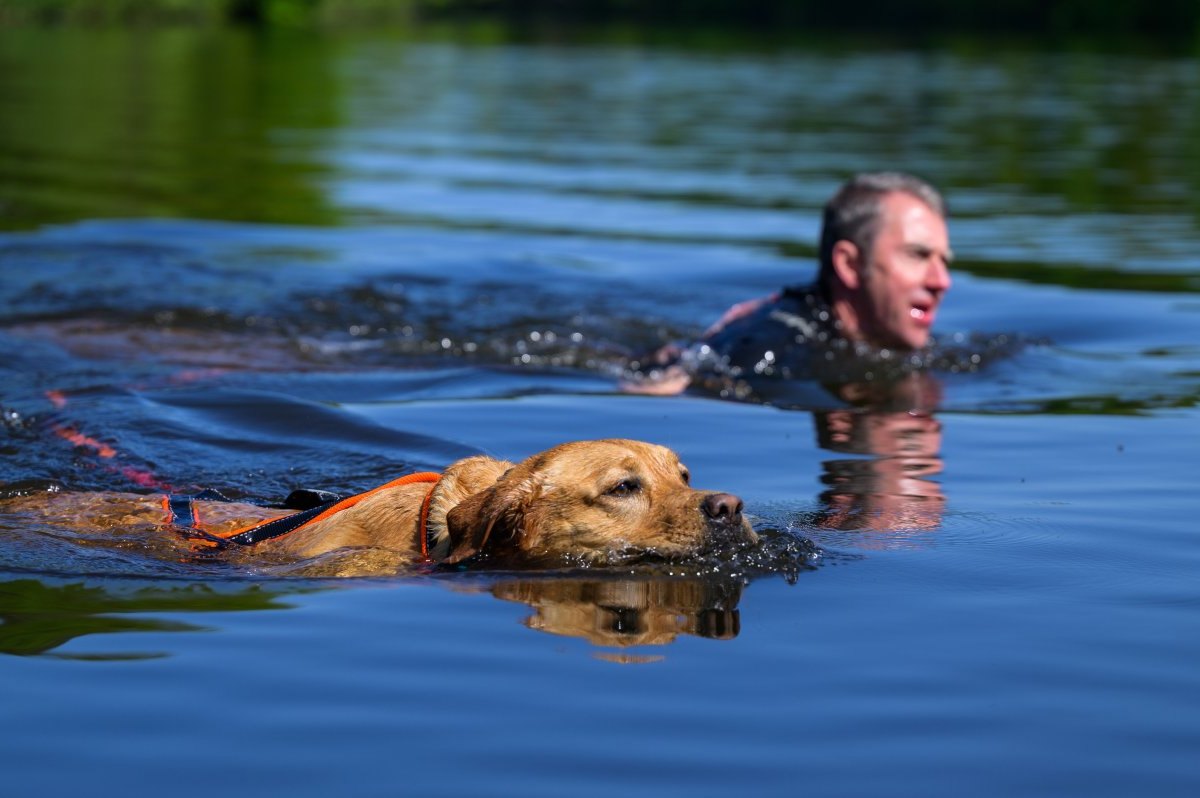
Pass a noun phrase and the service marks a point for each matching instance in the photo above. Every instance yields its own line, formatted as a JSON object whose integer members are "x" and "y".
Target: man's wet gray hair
{"x": 854, "y": 213}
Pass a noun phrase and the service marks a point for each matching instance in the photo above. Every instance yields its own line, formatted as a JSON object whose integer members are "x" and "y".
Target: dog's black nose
{"x": 723, "y": 507}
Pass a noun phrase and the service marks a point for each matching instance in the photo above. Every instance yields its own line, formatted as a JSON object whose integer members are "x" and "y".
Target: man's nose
{"x": 938, "y": 277}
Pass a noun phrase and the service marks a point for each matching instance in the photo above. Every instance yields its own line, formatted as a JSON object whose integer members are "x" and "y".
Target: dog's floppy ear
{"x": 493, "y": 513}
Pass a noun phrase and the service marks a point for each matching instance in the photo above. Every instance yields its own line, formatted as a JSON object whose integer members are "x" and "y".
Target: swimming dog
{"x": 584, "y": 502}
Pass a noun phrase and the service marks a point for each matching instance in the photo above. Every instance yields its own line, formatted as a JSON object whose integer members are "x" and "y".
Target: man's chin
{"x": 910, "y": 336}
{"x": 918, "y": 340}
{"x": 906, "y": 341}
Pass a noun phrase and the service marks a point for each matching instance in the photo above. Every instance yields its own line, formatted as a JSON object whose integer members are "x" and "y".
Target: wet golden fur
{"x": 589, "y": 501}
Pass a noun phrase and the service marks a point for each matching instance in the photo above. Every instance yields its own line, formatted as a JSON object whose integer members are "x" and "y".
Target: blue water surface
{"x": 344, "y": 258}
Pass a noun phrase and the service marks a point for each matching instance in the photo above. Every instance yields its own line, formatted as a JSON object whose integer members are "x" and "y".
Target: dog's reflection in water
{"x": 39, "y": 616}
{"x": 621, "y": 613}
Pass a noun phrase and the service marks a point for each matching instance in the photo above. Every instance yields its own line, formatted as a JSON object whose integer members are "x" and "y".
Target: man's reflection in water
{"x": 889, "y": 487}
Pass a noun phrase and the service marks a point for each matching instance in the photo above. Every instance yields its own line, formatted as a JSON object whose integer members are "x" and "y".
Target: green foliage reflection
{"x": 38, "y": 617}
{"x": 182, "y": 122}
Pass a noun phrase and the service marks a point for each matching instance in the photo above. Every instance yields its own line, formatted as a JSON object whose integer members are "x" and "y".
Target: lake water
{"x": 261, "y": 262}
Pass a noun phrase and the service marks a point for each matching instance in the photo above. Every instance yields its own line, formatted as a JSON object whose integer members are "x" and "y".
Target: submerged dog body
{"x": 586, "y": 502}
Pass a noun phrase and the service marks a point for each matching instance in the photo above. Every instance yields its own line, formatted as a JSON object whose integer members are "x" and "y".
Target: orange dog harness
{"x": 181, "y": 512}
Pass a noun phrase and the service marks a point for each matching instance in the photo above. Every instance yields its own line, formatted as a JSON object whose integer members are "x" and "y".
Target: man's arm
{"x": 671, "y": 378}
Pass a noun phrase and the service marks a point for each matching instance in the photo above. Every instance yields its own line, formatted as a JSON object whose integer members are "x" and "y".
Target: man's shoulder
{"x": 783, "y": 307}
{"x": 783, "y": 326}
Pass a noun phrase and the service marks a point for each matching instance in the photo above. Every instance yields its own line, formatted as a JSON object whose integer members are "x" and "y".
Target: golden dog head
{"x": 596, "y": 501}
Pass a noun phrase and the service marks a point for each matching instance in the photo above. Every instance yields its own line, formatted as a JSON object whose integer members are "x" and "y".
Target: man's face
{"x": 906, "y": 274}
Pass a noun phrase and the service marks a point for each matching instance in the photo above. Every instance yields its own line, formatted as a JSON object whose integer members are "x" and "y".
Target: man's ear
{"x": 493, "y": 513}
{"x": 847, "y": 264}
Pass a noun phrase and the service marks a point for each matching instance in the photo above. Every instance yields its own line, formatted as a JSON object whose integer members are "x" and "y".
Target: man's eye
{"x": 625, "y": 487}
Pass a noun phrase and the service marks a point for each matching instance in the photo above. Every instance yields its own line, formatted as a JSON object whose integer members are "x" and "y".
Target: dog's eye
{"x": 626, "y": 487}
{"x": 687, "y": 476}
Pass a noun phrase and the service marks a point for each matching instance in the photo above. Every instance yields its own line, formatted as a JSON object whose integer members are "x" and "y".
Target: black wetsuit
{"x": 779, "y": 339}
{"x": 791, "y": 350}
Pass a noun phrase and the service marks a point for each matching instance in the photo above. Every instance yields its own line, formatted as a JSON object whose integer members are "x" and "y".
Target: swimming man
{"x": 884, "y": 269}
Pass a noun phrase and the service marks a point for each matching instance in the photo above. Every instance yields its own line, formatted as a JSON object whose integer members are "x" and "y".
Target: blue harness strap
{"x": 181, "y": 511}
{"x": 280, "y": 526}
{"x": 182, "y": 514}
